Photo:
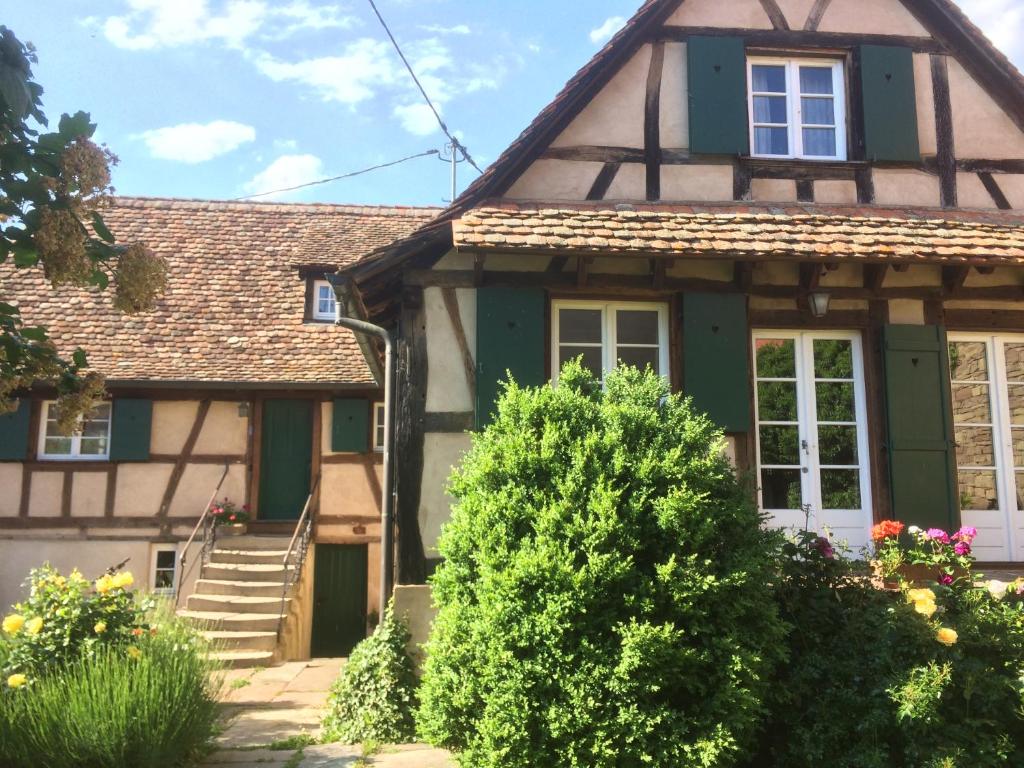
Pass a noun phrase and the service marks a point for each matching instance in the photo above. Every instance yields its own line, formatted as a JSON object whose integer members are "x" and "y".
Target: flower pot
{"x": 237, "y": 529}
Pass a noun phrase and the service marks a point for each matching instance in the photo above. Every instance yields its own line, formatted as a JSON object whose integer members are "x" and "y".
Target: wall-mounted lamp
{"x": 243, "y": 410}
{"x": 819, "y": 302}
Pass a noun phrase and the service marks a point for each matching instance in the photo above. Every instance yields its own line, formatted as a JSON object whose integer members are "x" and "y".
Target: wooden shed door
{"x": 339, "y": 599}
{"x": 286, "y": 458}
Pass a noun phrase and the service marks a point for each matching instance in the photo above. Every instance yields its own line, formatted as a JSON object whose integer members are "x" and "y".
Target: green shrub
{"x": 374, "y": 697}
{"x": 604, "y": 598}
{"x": 151, "y": 704}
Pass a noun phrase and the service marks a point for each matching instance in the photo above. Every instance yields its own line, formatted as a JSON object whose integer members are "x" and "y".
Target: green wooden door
{"x": 286, "y": 458}
{"x": 339, "y": 599}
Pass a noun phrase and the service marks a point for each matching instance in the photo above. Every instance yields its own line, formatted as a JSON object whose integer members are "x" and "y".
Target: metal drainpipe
{"x": 388, "y": 496}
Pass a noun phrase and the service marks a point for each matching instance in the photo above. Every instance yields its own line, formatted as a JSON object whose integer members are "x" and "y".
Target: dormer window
{"x": 324, "y": 306}
{"x": 797, "y": 108}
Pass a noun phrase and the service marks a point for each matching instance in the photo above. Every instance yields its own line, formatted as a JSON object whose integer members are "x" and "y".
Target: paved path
{"x": 278, "y": 706}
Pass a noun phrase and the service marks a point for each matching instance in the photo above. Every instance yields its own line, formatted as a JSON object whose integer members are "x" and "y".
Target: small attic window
{"x": 325, "y": 307}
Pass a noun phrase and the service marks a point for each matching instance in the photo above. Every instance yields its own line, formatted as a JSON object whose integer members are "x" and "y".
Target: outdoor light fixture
{"x": 819, "y": 301}
{"x": 243, "y": 410}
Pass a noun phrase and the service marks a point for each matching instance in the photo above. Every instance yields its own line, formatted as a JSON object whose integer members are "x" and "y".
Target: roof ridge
{"x": 146, "y": 201}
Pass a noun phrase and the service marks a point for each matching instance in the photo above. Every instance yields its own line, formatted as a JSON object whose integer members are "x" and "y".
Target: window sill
{"x": 755, "y": 161}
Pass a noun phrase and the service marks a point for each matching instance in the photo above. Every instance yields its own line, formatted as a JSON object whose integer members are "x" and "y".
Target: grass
{"x": 298, "y": 741}
{"x": 240, "y": 682}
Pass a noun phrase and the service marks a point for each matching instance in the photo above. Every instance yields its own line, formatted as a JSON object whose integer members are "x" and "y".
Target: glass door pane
{"x": 974, "y": 425}
{"x": 838, "y": 436}
{"x": 778, "y": 424}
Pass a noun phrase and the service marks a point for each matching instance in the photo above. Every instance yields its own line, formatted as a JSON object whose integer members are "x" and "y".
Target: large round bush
{"x": 605, "y": 597}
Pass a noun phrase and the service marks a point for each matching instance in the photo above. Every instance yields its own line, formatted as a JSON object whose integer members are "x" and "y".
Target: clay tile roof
{"x": 825, "y": 233}
{"x": 234, "y": 308}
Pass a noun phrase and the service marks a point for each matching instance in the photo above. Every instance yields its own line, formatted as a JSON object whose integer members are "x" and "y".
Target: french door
{"x": 811, "y": 432}
{"x": 987, "y": 373}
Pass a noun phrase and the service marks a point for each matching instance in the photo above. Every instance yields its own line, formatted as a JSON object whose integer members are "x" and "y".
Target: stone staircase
{"x": 237, "y": 598}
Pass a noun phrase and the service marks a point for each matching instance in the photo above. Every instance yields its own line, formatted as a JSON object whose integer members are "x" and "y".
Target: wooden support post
{"x": 816, "y": 14}
{"x": 652, "y": 121}
{"x": 945, "y": 155}
{"x": 743, "y": 275}
{"x": 478, "y": 269}
{"x": 775, "y": 14}
{"x": 583, "y": 270}
{"x": 996, "y": 192}
{"x": 874, "y": 276}
{"x": 604, "y": 180}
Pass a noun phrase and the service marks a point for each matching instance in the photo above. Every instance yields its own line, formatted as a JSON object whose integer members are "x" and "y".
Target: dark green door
{"x": 286, "y": 458}
{"x": 339, "y": 599}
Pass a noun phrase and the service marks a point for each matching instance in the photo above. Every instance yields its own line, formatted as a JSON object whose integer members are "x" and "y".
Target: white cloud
{"x": 605, "y": 31}
{"x": 151, "y": 24}
{"x": 286, "y": 171}
{"x": 439, "y": 29}
{"x": 196, "y": 142}
{"x": 417, "y": 119}
{"x": 1002, "y": 21}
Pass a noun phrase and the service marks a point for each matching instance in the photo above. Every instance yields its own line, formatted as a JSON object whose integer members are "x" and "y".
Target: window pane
{"x": 1018, "y": 448}
{"x": 164, "y": 580}
{"x": 833, "y": 359}
{"x": 780, "y": 445}
{"x": 835, "y": 401}
{"x": 968, "y": 361}
{"x": 101, "y": 411}
{"x": 815, "y": 80}
{"x": 838, "y": 445}
{"x": 91, "y": 446}
{"x": 771, "y": 141}
{"x": 840, "y": 488}
{"x": 770, "y": 109}
{"x": 636, "y": 327}
{"x": 818, "y": 112}
{"x": 95, "y": 428}
{"x": 579, "y": 326}
{"x": 768, "y": 78}
{"x": 57, "y": 446}
{"x": 776, "y": 401}
{"x": 1015, "y": 394}
{"x": 1014, "y": 362}
{"x": 780, "y": 489}
{"x": 165, "y": 559}
{"x": 978, "y": 490}
{"x": 593, "y": 359}
{"x": 1019, "y": 477}
{"x": 820, "y": 142}
{"x": 639, "y": 357}
{"x": 971, "y": 404}
{"x": 776, "y": 358}
{"x": 975, "y": 447}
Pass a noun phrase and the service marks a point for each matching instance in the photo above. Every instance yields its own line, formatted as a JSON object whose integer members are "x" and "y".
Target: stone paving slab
{"x": 330, "y": 756}
{"x": 264, "y": 758}
{"x": 410, "y": 756}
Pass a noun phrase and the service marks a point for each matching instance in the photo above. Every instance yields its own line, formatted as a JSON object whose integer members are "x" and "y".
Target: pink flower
{"x": 824, "y": 548}
{"x": 937, "y": 534}
{"x": 945, "y": 579}
{"x": 967, "y": 534}
{"x": 962, "y": 548}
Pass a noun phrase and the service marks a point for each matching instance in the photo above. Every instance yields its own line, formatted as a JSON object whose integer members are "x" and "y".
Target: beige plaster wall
{"x": 448, "y": 390}
{"x": 45, "y": 500}
{"x": 883, "y": 17}
{"x": 140, "y": 489}
{"x": 745, "y": 14}
{"x": 1013, "y": 187}
{"x": 630, "y": 183}
{"x": 906, "y": 312}
{"x": 198, "y": 481}
{"x": 10, "y": 482}
{"x": 835, "y": 192}
{"x": 172, "y": 421}
{"x": 703, "y": 269}
{"x": 616, "y": 115}
{"x": 351, "y": 489}
{"x": 900, "y": 187}
{"x": 773, "y": 190}
{"x": 796, "y": 11}
{"x": 971, "y": 193}
{"x": 925, "y": 95}
{"x": 697, "y": 183}
{"x": 415, "y": 605}
{"x": 980, "y": 127}
{"x": 675, "y": 111}
{"x": 555, "y": 180}
{"x": 89, "y": 494}
{"x": 224, "y": 431}
{"x": 440, "y": 454}
{"x": 453, "y": 260}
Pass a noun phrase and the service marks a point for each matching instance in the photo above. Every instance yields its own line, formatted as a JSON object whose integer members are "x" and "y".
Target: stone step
{"x": 249, "y": 541}
{"x": 240, "y": 588}
{"x": 226, "y": 640}
{"x": 245, "y": 572}
{"x": 244, "y": 659}
{"x": 250, "y": 556}
{"x": 231, "y": 621}
{"x": 237, "y": 604}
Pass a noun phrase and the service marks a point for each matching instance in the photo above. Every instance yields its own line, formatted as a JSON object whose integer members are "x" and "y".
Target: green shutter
{"x": 131, "y": 430}
{"x": 717, "y": 71}
{"x": 14, "y": 432}
{"x": 509, "y": 339}
{"x": 922, "y": 461}
{"x": 350, "y": 426}
{"x": 890, "y": 103}
{"x": 716, "y": 357}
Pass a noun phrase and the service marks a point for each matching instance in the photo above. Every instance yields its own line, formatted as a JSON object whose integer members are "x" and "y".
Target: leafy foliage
{"x": 375, "y": 696}
{"x": 604, "y": 598}
{"x": 53, "y": 187}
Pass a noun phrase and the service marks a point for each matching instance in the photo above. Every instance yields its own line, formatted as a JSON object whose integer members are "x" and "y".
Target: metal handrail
{"x": 195, "y": 531}
{"x": 303, "y": 527}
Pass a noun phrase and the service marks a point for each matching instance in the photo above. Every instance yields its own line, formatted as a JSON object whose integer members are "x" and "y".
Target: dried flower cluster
{"x": 85, "y": 173}
{"x": 71, "y": 406}
{"x": 60, "y": 240}
{"x": 140, "y": 277}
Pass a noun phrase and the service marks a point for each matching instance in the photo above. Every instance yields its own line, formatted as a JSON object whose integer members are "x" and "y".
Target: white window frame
{"x": 1002, "y": 444}
{"x": 807, "y": 417}
{"x": 155, "y": 550}
{"x": 316, "y": 313}
{"x": 608, "y": 325}
{"x": 75, "y": 438}
{"x": 379, "y": 427}
{"x": 795, "y": 107}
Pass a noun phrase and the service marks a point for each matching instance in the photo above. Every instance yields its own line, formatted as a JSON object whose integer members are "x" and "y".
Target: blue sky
{"x": 224, "y": 98}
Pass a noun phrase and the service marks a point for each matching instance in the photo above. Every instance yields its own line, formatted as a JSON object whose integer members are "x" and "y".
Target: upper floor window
{"x": 797, "y": 108}
{"x": 90, "y": 441}
{"x": 605, "y": 334}
{"x": 324, "y": 305}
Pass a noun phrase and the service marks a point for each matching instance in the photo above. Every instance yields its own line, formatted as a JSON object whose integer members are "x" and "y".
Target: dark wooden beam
{"x": 978, "y": 165}
{"x": 805, "y": 191}
{"x": 816, "y": 14}
{"x": 478, "y": 269}
{"x": 743, "y": 275}
{"x": 984, "y": 320}
{"x": 874, "y": 276}
{"x": 794, "y": 318}
{"x": 652, "y": 121}
{"x": 586, "y": 153}
{"x": 557, "y": 265}
{"x": 945, "y": 155}
{"x": 604, "y": 181}
{"x": 996, "y": 192}
{"x": 659, "y": 273}
{"x": 865, "y": 186}
{"x": 800, "y": 39}
{"x": 65, "y": 494}
{"x": 986, "y": 270}
{"x": 449, "y": 423}
{"x": 583, "y": 270}
{"x": 775, "y": 14}
{"x": 110, "y": 497}
{"x": 741, "y": 182}
{"x": 953, "y": 278}
{"x": 800, "y": 170}
{"x": 810, "y": 277}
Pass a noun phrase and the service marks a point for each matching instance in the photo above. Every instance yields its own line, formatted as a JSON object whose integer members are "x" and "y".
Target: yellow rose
{"x": 947, "y": 636}
{"x": 104, "y": 584}
{"x": 920, "y": 595}
{"x": 925, "y": 607}
{"x": 100, "y": 628}
{"x": 134, "y": 652}
{"x": 16, "y": 681}
{"x": 122, "y": 580}
{"x": 76, "y": 575}
{"x": 13, "y": 623}
{"x": 34, "y": 626}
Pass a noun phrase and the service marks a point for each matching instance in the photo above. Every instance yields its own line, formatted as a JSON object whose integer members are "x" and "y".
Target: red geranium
{"x": 887, "y": 529}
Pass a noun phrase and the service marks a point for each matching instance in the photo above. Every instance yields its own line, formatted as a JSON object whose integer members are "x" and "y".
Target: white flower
{"x": 997, "y": 588}
{"x": 914, "y": 530}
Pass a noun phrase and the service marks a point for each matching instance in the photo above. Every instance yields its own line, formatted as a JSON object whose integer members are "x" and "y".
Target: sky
{"x": 226, "y": 98}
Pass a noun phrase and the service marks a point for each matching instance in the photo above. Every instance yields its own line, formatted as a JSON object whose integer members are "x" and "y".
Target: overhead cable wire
{"x": 454, "y": 141}
{"x": 428, "y": 153}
